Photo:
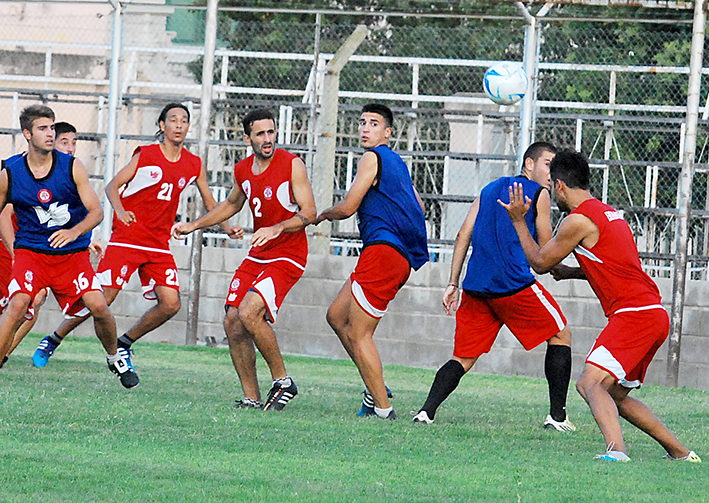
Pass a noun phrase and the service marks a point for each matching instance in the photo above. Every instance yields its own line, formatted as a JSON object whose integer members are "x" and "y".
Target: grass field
{"x": 71, "y": 433}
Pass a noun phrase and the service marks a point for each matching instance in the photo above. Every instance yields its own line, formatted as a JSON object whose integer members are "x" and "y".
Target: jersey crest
{"x": 55, "y": 216}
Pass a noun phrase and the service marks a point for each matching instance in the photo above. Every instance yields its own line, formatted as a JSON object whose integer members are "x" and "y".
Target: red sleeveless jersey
{"x": 612, "y": 266}
{"x": 271, "y": 201}
{"x": 153, "y": 195}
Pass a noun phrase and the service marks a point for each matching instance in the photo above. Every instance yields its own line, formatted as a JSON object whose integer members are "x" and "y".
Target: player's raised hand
{"x": 519, "y": 204}
{"x": 127, "y": 217}
{"x": 97, "y": 249}
{"x": 62, "y": 238}
{"x": 450, "y": 299}
{"x": 266, "y": 234}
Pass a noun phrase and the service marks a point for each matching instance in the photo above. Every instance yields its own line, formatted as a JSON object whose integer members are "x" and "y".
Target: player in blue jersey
{"x": 56, "y": 210}
{"x": 500, "y": 289}
{"x": 393, "y": 231}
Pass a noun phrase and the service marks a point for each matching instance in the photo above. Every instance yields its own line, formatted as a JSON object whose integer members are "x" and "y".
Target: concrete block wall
{"x": 415, "y": 332}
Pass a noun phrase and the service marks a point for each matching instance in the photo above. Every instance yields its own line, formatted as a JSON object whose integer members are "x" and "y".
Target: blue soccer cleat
{"x": 41, "y": 355}
{"x": 368, "y": 403}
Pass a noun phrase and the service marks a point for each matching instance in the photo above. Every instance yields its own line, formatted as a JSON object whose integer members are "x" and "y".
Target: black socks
{"x": 125, "y": 342}
{"x": 447, "y": 379}
{"x": 557, "y": 369}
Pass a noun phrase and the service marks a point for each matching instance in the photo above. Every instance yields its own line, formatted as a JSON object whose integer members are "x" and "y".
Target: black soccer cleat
{"x": 282, "y": 391}
{"x": 125, "y": 372}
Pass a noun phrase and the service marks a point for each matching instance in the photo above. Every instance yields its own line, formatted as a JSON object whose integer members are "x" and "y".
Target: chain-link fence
{"x": 615, "y": 89}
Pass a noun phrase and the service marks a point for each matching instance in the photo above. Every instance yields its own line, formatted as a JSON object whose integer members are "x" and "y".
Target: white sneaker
{"x": 691, "y": 457}
{"x": 611, "y": 455}
{"x": 565, "y": 425}
{"x": 422, "y": 417}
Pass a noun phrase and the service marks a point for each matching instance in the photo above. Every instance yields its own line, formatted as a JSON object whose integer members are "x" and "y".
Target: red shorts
{"x": 69, "y": 276}
{"x": 380, "y": 273}
{"x": 629, "y": 342}
{"x": 154, "y": 269}
{"x": 5, "y": 277}
{"x": 272, "y": 280}
{"x": 532, "y": 315}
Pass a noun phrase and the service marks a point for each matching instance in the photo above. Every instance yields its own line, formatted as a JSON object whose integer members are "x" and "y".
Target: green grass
{"x": 71, "y": 433}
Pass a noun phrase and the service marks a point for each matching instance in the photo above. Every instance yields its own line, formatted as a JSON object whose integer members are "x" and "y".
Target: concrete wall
{"x": 415, "y": 331}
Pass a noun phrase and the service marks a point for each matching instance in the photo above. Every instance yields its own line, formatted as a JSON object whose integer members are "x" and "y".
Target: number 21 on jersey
{"x": 165, "y": 192}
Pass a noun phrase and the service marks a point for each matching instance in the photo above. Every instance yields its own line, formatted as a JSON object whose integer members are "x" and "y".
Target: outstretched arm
{"x": 210, "y": 203}
{"x": 90, "y": 201}
{"x": 219, "y": 213}
{"x": 303, "y": 197}
{"x": 451, "y": 295}
{"x": 366, "y": 173}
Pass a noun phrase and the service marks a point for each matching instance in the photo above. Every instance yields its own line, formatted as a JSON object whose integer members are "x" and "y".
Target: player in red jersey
{"x": 145, "y": 196}
{"x": 275, "y": 184}
{"x": 605, "y": 248}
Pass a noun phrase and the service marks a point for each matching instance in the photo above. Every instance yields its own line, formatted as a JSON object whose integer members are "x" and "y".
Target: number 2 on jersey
{"x": 257, "y": 207}
{"x": 165, "y": 192}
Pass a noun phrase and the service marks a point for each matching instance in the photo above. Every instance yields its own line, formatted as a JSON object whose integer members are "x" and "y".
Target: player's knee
{"x": 171, "y": 306}
{"x": 335, "y": 321}
{"x": 100, "y": 311}
{"x": 250, "y": 314}
{"x": 563, "y": 338}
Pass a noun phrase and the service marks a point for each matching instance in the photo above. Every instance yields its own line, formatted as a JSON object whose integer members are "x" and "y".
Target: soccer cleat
{"x": 41, "y": 355}
{"x": 390, "y": 417}
{"x": 282, "y": 391}
{"x": 248, "y": 403}
{"x": 691, "y": 458}
{"x": 368, "y": 403}
{"x": 126, "y": 353}
{"x": 551, "y": 424}
{"x": 422, "y": 417}
{"x": 125, "y": 371}
{"x": 611, "y": 455}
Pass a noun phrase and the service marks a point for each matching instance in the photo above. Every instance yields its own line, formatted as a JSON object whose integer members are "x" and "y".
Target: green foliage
{"x": 70, "y": 433}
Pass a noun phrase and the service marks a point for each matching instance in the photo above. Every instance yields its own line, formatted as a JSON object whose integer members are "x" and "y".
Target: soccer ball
{"x": 505, "y": 82}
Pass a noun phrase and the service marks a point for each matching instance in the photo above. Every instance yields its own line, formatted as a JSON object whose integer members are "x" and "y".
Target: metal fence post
{"x": 685, "y": 202}
{"x": 324, "y": 160}
{"x": 210, "y": 39}
{"x": 111, "y": 127}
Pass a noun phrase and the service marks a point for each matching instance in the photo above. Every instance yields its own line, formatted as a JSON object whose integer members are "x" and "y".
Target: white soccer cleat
{"x": 611, "y": 455}
{"x": 691, "y": 458}
{"x": 565, "y": 425}
{"x": 422, "y": 417}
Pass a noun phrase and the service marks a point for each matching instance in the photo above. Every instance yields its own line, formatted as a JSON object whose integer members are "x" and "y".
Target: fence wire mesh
{"x": 616, "y": 90}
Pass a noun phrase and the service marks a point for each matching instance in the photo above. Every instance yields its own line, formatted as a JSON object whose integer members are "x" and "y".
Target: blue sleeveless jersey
{"x": 497, "y": 265}
{"x": 44, "y": 206}
{"x": 390, "y": 213}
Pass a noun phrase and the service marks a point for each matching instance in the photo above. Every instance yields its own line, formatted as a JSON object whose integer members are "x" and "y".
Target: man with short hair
{"x": 603, "y": 244}
{"x": 274, "y": 182}
{"x": 393, "y": 231}
{"x": 65, "y": 138}
{"x": 145, "y": 195}
{"x": 56, "y": 210}
{"x": 500, "y": 289}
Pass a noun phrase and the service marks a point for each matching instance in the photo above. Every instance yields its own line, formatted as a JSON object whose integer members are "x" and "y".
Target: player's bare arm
{"x": 7, "y": 232}
{"x": 451, "y": 295}
{"x": 367, "y": 168}
{"x": 220, "y": 213}
{"x": 574, "y": 229}
{"x": 543, "y": 220}
{"x": 420, "y": 201}
{"x": 90, "y": 201}
{"x": 3, "y": 189}
{"x": 560, "y": 272}
{"x": 235, "y": 232}
{"x": 124, "y": 176}
{"x": 303, "y": 197}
